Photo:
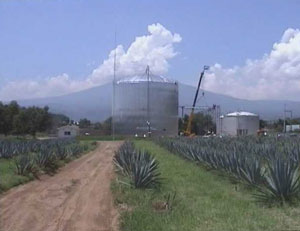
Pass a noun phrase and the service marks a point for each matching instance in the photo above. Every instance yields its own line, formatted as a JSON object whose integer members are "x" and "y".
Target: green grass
{"x": 204, "y": 200}
{"x": 9, "y": 178}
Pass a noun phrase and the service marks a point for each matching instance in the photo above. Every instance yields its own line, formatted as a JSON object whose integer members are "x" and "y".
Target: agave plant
{"x": 252, "y": 172}
{"x": 139, "y": 166}
{"x": 75, "y": 150}
{"x": 47, "y": 161}
{"x": 61, "y": 152}
{"x": 123, "y": 158}
{"x": 24, "y": 164}
{"x": 145, "y": 171}
{"x": 281, "y": 182}
{"x": 40, "y": 159}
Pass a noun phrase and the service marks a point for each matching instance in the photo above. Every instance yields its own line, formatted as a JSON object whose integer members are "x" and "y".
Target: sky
{"x": 55, "y": 47}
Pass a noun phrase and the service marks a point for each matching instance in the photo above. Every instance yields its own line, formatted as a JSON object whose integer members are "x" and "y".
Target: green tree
{"x": 98, "y": 126}
{"x": 2, "y": 116}
{"x": 262, "y": 123}
{"x": 84, "y": 123}
{"x": 58, "y": 120}
{"x": 201, "y": 124}
{"x": 32, "y": 120}
{"x": 20, "y": 123}
{"x": 8, "y": 112}
{"x": 20, "y": 120}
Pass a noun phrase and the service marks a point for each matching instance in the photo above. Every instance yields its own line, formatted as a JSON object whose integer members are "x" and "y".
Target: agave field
{"x": 35, "y": 156}
{"x": 269, "y": 165}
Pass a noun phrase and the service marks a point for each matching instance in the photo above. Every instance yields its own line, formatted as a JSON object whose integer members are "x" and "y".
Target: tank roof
{"x": 144, "y": 78}
{"x": 241, "y": 113}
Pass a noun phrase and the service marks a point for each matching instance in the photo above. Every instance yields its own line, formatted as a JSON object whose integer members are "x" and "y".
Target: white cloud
{"x": 154, "y": 49}
{"x": 275, "y": 76}
{"x": 27, "y": 89}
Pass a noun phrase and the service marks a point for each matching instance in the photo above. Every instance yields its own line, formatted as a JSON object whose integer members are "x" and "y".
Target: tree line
{"x": 17, "y": 120}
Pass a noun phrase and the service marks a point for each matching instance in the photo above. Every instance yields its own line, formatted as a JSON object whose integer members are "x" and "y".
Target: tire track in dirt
{"x": 78, "y": 197}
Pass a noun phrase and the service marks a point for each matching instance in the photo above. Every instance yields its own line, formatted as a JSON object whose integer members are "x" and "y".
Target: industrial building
{"x": 238, "y": 124}
{"x": 145, "y": 105}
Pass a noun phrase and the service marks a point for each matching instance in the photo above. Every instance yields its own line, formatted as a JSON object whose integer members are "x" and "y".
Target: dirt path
{"x": 78, "y": 198}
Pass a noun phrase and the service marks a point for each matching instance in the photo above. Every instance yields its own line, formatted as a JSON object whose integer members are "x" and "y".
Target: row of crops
{"x": 35, "y": 156}
{"x": 269, "y": 165}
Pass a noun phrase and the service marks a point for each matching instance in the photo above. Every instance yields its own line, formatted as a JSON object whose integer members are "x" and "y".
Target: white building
{"x": 292, "y": 128}
{"x": 238, "y": 124}
{"x": 68, "y": 131}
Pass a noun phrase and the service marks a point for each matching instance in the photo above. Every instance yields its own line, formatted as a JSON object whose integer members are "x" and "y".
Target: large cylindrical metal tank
{"x": 239, "y": 123}
{"x": 143, "y": 99}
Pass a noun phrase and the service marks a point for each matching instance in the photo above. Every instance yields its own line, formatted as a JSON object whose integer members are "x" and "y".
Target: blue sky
{"x": 44, "y": 38}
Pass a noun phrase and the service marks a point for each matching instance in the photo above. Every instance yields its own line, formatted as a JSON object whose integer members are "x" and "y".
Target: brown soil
{"x": 78, "y": 197}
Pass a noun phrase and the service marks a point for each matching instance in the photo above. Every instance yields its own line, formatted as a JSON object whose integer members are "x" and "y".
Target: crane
{"x": 188, "y": 131}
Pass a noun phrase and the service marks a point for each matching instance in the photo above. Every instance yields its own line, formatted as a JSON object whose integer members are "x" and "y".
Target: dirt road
{"x": 77, "y": 198}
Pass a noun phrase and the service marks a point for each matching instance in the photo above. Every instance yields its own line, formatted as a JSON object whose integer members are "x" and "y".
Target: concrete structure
{"x": 238, "y": 124}
{"x": 68, "y": 131}
{"x": 144, "y": 103}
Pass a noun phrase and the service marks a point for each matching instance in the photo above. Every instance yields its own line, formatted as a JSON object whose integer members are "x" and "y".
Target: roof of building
{"x": 241, "y": 113}
{"x": 144, "y": 78}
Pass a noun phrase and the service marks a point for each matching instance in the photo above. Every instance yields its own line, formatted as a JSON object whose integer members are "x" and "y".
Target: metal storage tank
{"x": 146, "y": 103}
{"x": 238, "y": 124}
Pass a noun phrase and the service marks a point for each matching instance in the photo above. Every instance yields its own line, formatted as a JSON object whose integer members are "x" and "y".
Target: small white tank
{"x": 238, "y": 124}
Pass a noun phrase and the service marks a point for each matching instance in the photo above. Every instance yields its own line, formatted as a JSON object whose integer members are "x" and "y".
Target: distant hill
{"x": 95, "y": 103}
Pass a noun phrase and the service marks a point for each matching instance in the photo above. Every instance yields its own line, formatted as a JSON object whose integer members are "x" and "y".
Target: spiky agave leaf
{"x": 252, "y": 172}
{"x": 124, "y": 158}
{"x": 24, "y": 164}
{"x": 140, "y": 167}
{"x": 40, "y": 159}
{"x": 145, "y": 171}
{"x": 281, "y": 182}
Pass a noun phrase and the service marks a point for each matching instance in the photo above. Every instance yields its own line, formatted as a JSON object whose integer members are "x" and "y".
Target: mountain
{"x": 95, "y": 103}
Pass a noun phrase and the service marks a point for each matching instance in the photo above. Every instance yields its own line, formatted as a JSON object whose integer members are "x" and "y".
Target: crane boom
{"x": 188, "y": 130}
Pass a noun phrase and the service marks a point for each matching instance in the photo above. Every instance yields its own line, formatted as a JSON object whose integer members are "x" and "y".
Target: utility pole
{"x": 114, "y": 90}
{"x": 148, "y": 101}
